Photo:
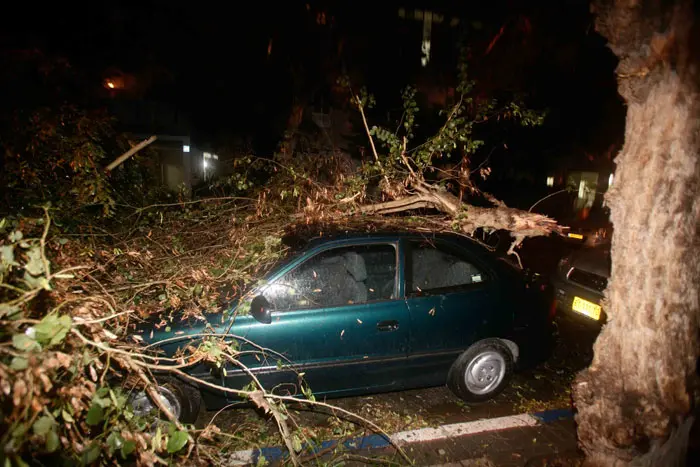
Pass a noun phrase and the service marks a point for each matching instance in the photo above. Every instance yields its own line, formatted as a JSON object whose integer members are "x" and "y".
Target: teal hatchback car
{"x": 366, "y": 313}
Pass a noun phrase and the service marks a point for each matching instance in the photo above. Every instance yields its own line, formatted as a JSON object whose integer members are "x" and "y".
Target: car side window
{"x": 434, "y": 267}
{"x": 341, "y": 276}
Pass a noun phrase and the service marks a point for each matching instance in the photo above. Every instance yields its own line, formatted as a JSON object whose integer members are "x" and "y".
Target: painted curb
{"x": 422, "y": 435}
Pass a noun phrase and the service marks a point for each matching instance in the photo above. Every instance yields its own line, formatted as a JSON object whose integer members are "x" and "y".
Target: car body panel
{"x": 321, "y": 341}
{"x": 444, "y": 323}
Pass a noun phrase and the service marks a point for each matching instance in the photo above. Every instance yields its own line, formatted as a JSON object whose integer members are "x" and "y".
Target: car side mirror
{"x": 261, "y": 309}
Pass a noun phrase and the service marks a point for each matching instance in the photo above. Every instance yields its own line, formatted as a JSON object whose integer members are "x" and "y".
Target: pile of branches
{"x": 71, "y": 297}
{"x": 71, "y": 301}
{"x": 70, "y": 359}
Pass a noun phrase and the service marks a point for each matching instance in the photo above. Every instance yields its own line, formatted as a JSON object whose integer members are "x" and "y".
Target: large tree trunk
{"x": 635, "y": 402}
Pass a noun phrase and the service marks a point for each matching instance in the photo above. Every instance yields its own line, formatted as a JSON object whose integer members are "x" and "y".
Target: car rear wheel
{"x": 481, "y": 372}
{"x": 182, "y": 400}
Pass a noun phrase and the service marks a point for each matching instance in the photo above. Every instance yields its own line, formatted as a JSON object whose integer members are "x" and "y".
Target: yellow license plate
{"x": 587, "y": 308}
{"x": 576, "y": 236}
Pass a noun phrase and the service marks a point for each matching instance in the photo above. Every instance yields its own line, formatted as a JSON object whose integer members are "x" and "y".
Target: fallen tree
{"x": 403, "y": 172}
{"x": 68, "y": 357}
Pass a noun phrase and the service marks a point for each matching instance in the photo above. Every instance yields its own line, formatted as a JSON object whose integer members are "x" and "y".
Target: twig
{"x": 369, "y": 460}
{"x": 142, "y": 285}
{"x": 548, "y": 196}
{"x": 130, "y": 153}
{"x": 360, "y": 107}
{"x": 133, "y": 355}
{"x": 79, "y": 320}
{"x": 195, "y": 201}
{"x": 42, "y": 243}
{"x": 405, "y": 160}
{"x": 155, "y": 397}
{"x": 263, "y": 350}
{"x": 484, "y": 161}
{"x": 298, "y": 401}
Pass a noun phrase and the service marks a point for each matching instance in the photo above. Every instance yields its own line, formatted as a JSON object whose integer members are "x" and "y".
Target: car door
{"x": 450, "y": 298}
{"x": 336, "y": 318}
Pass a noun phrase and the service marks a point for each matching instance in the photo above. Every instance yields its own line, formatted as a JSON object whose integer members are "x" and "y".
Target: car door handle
{"x": 387, "y": 326}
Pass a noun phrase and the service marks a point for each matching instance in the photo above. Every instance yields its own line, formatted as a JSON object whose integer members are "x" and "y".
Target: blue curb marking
{"x": 375, "y": 441}
{"x": 553, "y": 415}
{"x": 273, "y": 454}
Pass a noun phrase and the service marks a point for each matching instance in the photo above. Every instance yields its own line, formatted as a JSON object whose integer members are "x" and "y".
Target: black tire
{"x": 489, "y": 353}
{"x": 180, "y": 396}
{"x": 189, "y": 396}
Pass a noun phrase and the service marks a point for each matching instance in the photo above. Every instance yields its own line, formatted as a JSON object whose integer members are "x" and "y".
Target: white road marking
{"x": 429, "y": 434}
{"x": 465, "y": 428}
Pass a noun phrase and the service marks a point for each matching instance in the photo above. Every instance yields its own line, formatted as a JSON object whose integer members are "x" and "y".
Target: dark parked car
{"x": 374, "y": 312}
{"x": 596, "y": 229}
{"x": 580, "y": 281}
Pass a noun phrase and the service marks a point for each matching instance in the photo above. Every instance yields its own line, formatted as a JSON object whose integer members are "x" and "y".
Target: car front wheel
{"x": 181, "y": 400}
{"x": 481, "y": 372}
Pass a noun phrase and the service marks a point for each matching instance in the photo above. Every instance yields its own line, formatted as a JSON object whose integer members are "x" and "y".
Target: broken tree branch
{"x": 119, "y": 160}
{"x": 469, "y": 218}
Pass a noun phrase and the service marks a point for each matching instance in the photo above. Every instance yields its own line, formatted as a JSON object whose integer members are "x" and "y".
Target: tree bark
{"x": 635, "y": 401}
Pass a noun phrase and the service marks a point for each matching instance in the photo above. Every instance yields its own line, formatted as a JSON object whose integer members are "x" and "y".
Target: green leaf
{"x": 127, "y": 448}
{"x": 19, "y": 363}
{"x": 52, "y": 329}
{"x": 114, "y": 442}
{"x": 24, "y": 343}
{"x": 39, "y": 282}
{"x": 95, "y": 414}
{"x": 10, "y": 311}
{"x": 35, "y": 265}
{"x": 156, "y": 439}
{"x": 177, "y": 441}
{"x": 7, "y": 257}
{"x": 296, "y": 443}
{"x": 19, "y": 431}
{"x": 90, "y": 454}
{"x": 43, "y": 425}
{"x": 52, "y": 441}
{"x": 67, "y": 417}
{"x": 15, "y": 236}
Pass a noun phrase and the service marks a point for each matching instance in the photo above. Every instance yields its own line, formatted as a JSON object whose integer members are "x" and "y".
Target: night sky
{"x": 211, "y": 60}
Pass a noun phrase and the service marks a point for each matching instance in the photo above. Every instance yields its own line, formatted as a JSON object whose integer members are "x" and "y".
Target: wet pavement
{"x": 515, "y": 447}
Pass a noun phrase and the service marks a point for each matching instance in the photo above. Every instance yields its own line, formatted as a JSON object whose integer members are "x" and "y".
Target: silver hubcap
{"x": 143, "y": 405}
{"x": 485, "y": 372}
